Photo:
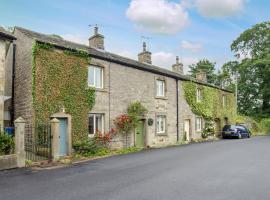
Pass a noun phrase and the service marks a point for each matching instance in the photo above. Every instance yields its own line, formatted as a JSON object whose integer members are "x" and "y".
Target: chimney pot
{"x": 178, "y": 67}
{"x": 145, "y": 56}
{"x": 201, "y": 76}
{"x": 97, "y": 40}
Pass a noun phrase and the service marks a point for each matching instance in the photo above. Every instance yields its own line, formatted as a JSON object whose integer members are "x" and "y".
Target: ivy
{"x": 210, "y": 107}
{"x": 60, "y": 80}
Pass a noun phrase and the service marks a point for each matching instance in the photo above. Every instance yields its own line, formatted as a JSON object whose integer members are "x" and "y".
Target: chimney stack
{"x": 97, "y": 40}
{"x": 145, "y": 56}
{"x": 178, "y": 67}
{"x": 201, "y": 76}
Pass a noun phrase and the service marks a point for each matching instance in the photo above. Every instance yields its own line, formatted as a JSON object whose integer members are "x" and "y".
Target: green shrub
{"x": 91, "y": 147}
{"x": 265, "y": 125}
{"x": 7, "y": 144}
{"x": 128, "y": 150}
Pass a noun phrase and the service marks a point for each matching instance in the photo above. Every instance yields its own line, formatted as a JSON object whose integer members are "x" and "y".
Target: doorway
{"x": 63, "y": 135}
{"x": 187, "y": 129}
{"x": 139, "y": 134}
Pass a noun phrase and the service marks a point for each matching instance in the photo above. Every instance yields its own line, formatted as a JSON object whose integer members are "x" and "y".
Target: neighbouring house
{"x": 52, "y": 74}
{"x": 6, "y": 72}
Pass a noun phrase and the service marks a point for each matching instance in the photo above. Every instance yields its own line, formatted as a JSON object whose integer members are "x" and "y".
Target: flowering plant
{"x": 105, "y": 138}
{"x": 124, "y": 123}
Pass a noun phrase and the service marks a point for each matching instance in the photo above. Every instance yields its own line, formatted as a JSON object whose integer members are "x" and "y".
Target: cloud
{"x": 193, "y": 47}
{"x": 219, "y": 8}
{"x": 167, "y": 59}
{"x": 77, "y": 38}
{"x": 157, "y": 16}
{"x": 163, "y": 59}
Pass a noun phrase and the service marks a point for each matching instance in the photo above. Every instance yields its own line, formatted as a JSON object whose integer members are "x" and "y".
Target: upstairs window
{"x": 161, "y": 124}
{"x": 95, "y": 76}
{"x": 160, "y": 88}
{"x": 95, "y": 124}
{"x": 199, "y": 95}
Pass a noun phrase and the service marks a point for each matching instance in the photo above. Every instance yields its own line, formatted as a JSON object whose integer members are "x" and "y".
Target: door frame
{"x": 69, "y": 135}
{"x": 144, "y": 133}
{"x": 189, "y": 133}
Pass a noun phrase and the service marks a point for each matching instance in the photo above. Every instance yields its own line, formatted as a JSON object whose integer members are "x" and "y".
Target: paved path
{"x": 227, "y": 169}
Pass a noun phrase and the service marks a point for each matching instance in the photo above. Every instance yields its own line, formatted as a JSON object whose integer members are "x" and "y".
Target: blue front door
{"x": 63, "y": 136}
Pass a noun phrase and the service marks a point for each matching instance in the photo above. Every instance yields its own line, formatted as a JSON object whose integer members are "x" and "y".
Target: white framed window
{"x": 160, "y": 88}
{"x": 161, "y": 124}
{"x": 224, "y": 100}
{"x": 199, "y": 95}
{"x": 95, "y": 123}
{"x": 95, "y": 76}
{"x": 198, "y": 124}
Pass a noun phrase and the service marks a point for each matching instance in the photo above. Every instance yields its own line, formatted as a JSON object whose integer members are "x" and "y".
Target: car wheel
{"x": 248, "y": 136}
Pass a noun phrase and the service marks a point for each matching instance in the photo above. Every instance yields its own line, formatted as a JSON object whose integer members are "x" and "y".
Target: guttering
{"x": 13, "y": 85}
{"x": 177, "y": 109}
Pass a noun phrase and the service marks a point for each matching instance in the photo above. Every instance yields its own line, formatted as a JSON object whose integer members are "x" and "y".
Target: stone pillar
{"x": 19, "y": 141}
{"x": 55, "y": 138}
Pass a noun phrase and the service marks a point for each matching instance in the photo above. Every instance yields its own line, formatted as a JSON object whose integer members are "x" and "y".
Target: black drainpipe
{"x": 177, "y": 108}
{"x": 13, "y": 87}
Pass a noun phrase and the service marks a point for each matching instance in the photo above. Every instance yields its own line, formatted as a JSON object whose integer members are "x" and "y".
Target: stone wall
{"x": 124, "y": 85}
{"x": 8, "y": 85}
{"x": 2, "y": 79}
{"x": 23, "y": 77}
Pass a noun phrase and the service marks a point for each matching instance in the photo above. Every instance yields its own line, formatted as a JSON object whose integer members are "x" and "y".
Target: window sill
{"x": 164, "y": 98}
{"x": 100, "y": 89}
{"x": 161, "y": 134}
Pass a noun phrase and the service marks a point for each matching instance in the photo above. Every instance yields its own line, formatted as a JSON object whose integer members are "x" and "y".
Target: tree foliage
{"x": 252, "y": 72}
{"x": 205, "y": 66}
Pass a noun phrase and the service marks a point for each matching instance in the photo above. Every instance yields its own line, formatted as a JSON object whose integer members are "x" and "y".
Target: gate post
{"x": 19, "y": 141}
{"x": 55, "y": 138}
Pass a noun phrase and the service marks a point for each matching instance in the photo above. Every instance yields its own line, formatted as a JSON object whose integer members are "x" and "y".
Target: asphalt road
{"x": 227, "y": 169}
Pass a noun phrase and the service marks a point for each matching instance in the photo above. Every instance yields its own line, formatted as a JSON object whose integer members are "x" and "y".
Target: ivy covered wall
{"x": 60, "y": 81}
{"x": 211, "y": 106}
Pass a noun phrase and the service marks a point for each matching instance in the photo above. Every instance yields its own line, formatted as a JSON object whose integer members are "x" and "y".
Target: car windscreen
{"x": 229, "y": 128}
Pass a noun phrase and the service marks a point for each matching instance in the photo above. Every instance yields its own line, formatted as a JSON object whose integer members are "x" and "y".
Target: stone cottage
{"x": 6, "y": 68}
{"x": 172, "y": 99}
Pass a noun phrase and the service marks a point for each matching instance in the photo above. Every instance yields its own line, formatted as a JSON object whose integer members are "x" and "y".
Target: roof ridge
{"x": 45, "y": 38}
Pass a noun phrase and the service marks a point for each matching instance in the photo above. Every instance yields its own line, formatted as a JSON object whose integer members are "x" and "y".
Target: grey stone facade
{"x": 125, "y": 81}
{"x": 6, "y": 64}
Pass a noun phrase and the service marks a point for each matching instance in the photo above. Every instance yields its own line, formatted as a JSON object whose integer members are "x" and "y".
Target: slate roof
{"x": 111, "y": 57}
{"x": 7, "y": 35}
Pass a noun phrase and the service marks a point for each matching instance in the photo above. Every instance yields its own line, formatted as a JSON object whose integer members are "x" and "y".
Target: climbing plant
{"x": 210, "y": 107}
{"x": 60, "y": 81}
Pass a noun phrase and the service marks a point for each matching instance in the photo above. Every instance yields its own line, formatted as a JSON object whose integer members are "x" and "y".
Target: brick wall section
{"x": 23, "y": 78}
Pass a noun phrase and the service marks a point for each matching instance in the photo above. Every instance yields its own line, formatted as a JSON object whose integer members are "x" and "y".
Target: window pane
{"x": 91, "y": 124}
{"x": 91, "y": 75}
{"x": 160, "y": 88}
{"x": 98, "y": 123}
{"x": 161, "y": 124}
{"x": 98, "y": 76}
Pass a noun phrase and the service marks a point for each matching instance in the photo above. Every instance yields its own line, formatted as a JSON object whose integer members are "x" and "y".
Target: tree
{"x": 206, "y": 66}
{"x": 253, "y": 42}
{"x": 254, "y": 70}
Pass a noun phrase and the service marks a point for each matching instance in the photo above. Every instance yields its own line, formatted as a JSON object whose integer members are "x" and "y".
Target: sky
{"x": 190, "y": 29}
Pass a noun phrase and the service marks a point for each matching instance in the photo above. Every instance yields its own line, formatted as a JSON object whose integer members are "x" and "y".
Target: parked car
{"x": 235, "y": 131}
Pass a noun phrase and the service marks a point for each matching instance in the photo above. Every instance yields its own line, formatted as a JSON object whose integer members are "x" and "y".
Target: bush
{"x": 96, "y": 146}
{"x": 265, "y": 125}
{"x": 7, "y": 144}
